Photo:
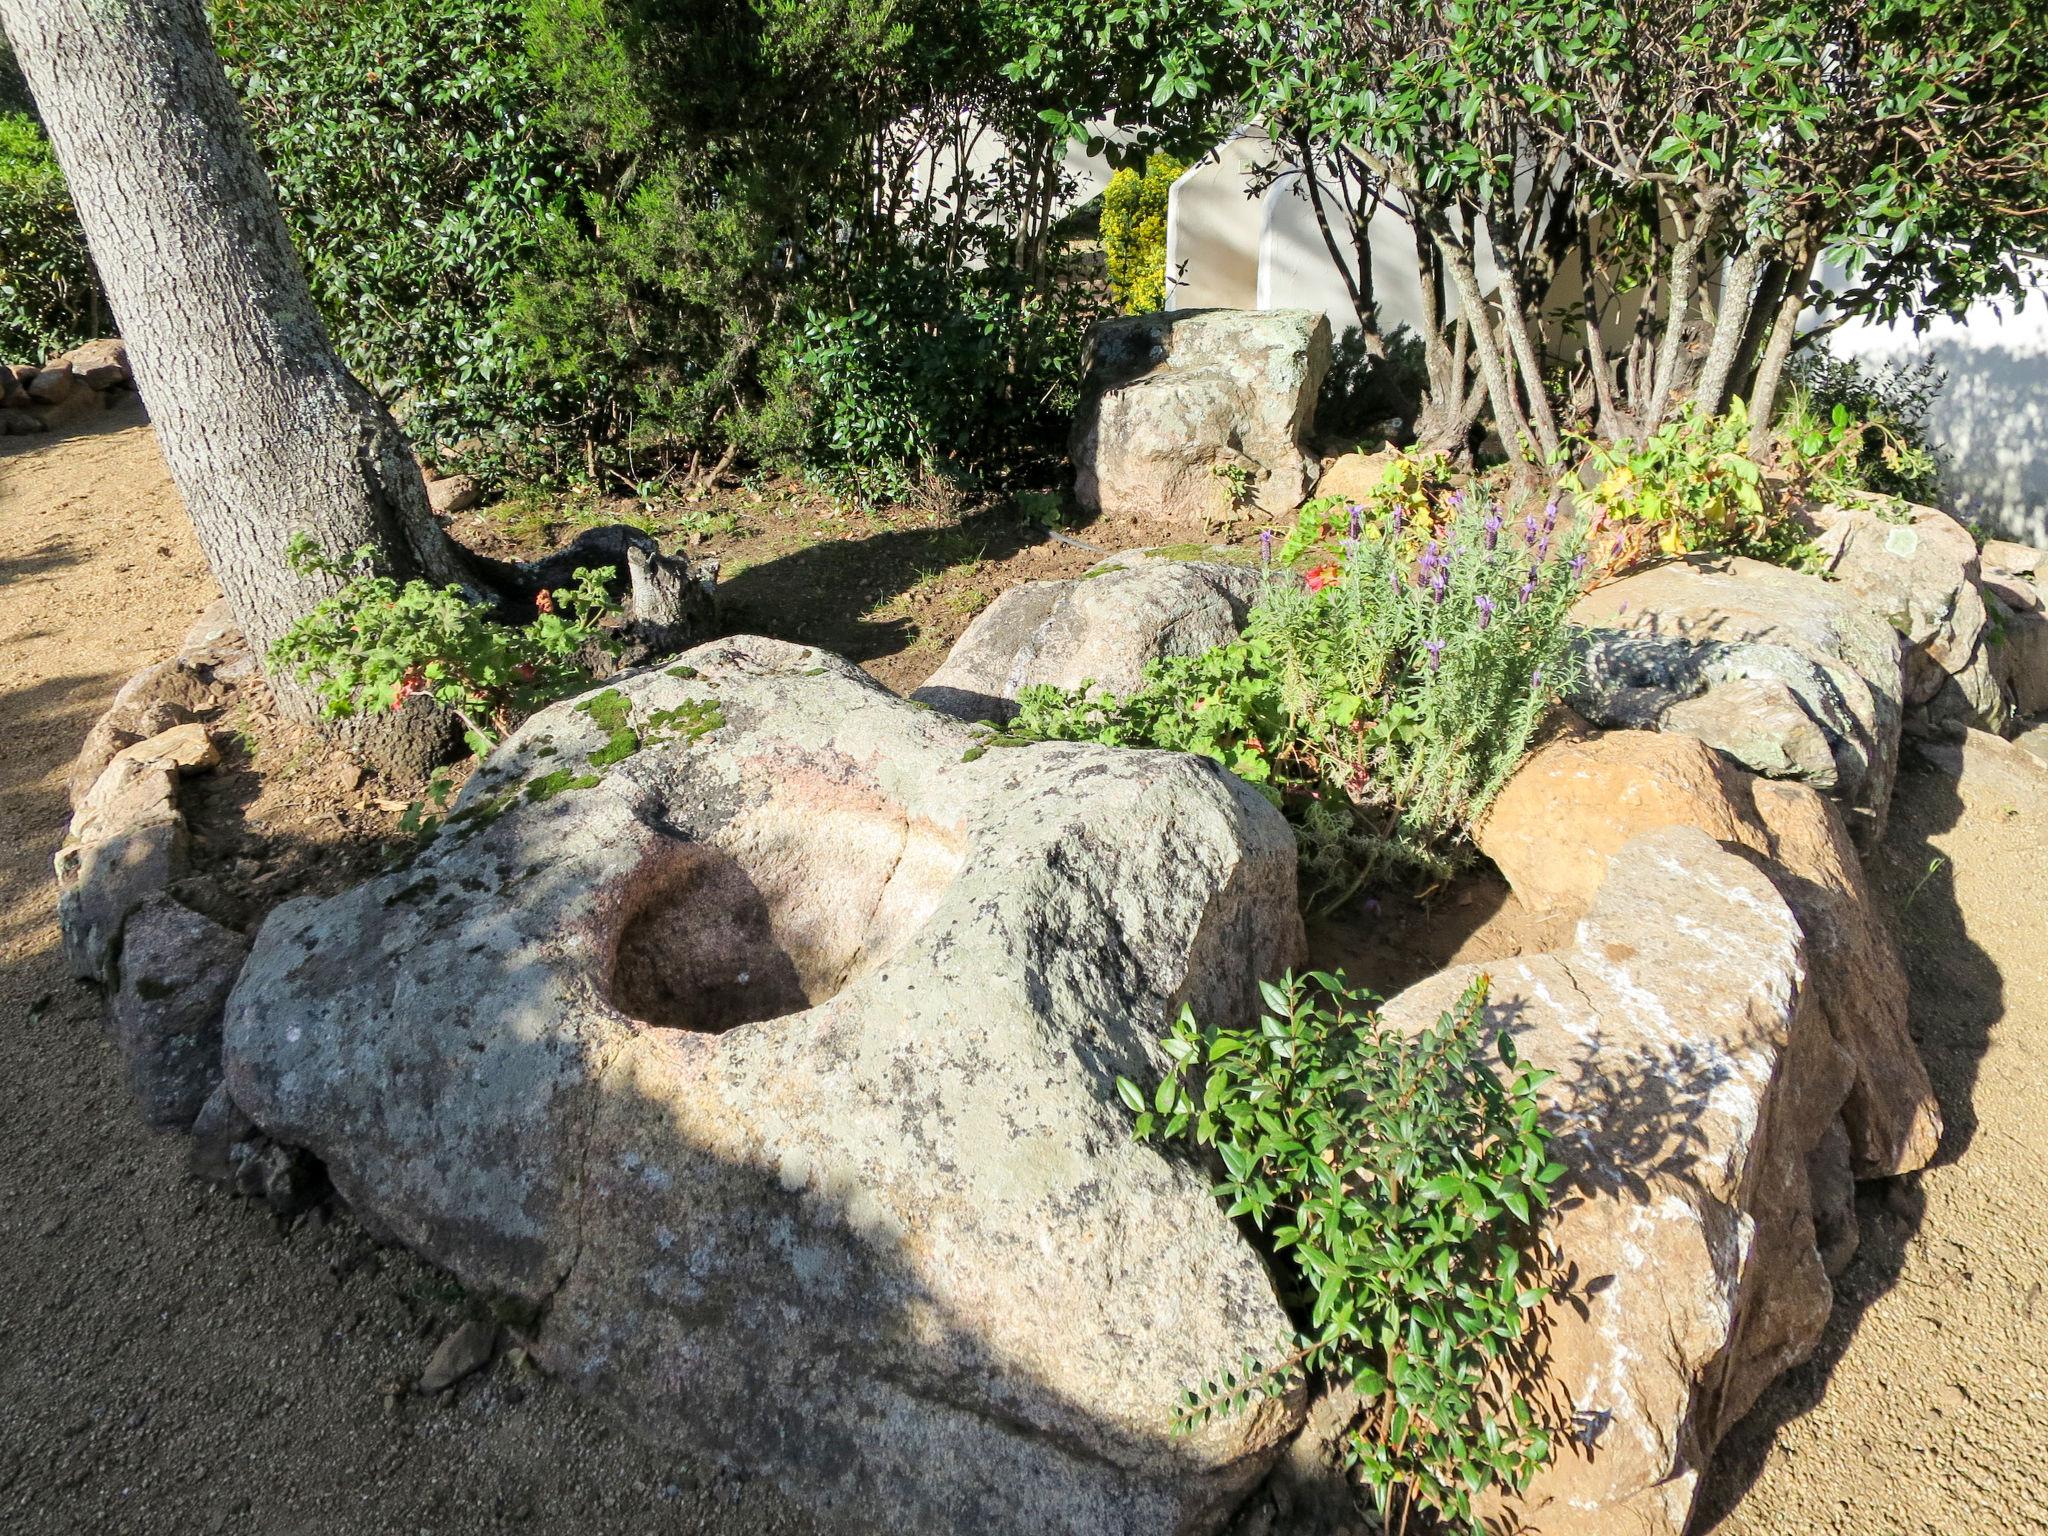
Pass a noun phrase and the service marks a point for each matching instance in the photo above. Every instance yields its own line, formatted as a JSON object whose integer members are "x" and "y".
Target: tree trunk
{"x": 264, "y": 431}
{"x": 1763, "y": 395}
{"x": 1500, "y": 385}
{"x": 1730, "y": 326}
{"x": 1515, "y": 324}
{"x": 1685, "y": 277}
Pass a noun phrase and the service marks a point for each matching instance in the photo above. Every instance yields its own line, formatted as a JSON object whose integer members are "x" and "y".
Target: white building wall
{"x": 1991, "y": 416}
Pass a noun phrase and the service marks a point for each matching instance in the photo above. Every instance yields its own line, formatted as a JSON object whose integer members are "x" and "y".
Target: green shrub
{"x": 1396, "y": 1180}
{"x": 375, "y": 644}
{"x": 971, "y": 378}
{"x": 1383, "y": 698}
{"x": 1692, "y": 487}
{"x": 50, "y": 297}
{"x": 1134, "y": 233}
{"x": 403, "y": 137}
{"x": 1849, "y": 427}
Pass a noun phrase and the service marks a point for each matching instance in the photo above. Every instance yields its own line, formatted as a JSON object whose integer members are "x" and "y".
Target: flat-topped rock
{"x": 1101, "y": 628}
{"x": 1676, "y": 634}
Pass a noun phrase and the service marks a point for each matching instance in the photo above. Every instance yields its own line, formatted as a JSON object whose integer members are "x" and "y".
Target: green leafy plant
{"x": 1397, "y": 1179}
{"x": 1690, "y": 486}
{"x": 50, "y": 296}
{"x": 1847, "y": 427}
{"x": 1382, "y": 697}
{"x": 376, "y": 643}
{"x": 1134, "y": 233}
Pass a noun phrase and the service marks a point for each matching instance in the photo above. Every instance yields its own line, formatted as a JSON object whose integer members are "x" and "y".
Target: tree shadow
{"x": 1956, "y": 997}
{"x": 831, "y": 594}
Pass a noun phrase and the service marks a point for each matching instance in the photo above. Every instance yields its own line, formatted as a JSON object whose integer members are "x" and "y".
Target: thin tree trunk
{"x": 1725, "y": 350}
{"x": 1500, "y": 388}
{"x": 1763, "y": 313}
{"x": 1515, "y": 322}
{"x": 1685, "y": 277}
{"x": 265, "y": 433}
{"x": 1770, "y": 372}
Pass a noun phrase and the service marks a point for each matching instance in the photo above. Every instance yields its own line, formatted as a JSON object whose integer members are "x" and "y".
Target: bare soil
{"x": 175, "y": 1360}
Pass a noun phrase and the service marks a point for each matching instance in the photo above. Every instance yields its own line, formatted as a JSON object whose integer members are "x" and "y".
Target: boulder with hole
{"x": 764, "y": 1031}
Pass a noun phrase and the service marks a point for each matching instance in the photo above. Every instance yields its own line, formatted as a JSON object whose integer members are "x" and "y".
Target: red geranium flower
{"x": 545, "y": 601}
{"x": 1320, "y": 577}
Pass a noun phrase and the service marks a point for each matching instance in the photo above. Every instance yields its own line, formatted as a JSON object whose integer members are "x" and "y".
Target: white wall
{"x": 1991, "y": 416}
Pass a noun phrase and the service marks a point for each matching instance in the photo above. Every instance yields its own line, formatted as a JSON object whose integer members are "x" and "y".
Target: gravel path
{"x": 171, "y": 1360}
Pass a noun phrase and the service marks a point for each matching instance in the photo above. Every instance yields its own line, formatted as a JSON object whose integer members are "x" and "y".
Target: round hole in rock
{"x": 789, "y": 906}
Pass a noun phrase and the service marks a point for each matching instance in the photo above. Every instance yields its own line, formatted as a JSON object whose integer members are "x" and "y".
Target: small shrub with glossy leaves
{"x": 377, "y": 642}
{"x": 1396, "y": 1179}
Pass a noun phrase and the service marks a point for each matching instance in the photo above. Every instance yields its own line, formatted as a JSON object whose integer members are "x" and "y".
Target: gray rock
{"x": 777, "y": 1058}
{"x": 216, "y": 1135}
{"x": 462, "y": 1354}
{"x": 1918, "y": 572}
{"x": 1171, "y": 400}
{"x": 176, "y": 969}
{"x": 1677, "y": 631}
{"x": 1762, "y": 705}
{"x": 53, "y": 385}
{"x": 1101, "y": 628}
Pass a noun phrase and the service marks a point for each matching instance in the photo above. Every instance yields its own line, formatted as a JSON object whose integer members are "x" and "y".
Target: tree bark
{"x": 264, "y": 431}
{"x": 1685, "y": 277}
{"x": 1500, "y": 386}
{"x": 1515, "y": 323}
{"x": 1770, "y": 372}
{"x": 1730, "y": 326}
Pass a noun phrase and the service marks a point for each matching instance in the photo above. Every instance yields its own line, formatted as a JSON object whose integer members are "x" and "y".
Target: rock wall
{"x": 64, "y": 391}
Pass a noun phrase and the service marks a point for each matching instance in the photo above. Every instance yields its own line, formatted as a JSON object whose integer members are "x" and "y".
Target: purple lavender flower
{"x": 1529, "y": 586}
{"x": 1543, "y": 548}
{"x": 1529, "y": 529}
{"x": 1394, "y": 579}
{"x": 1398, "y": 521}
{"x": 1266, "y": 546}
{"x": 1436, "y": 653}
{"x": 1536, "y": 680}
{"x": 1439, "y": 585}
{"x": 1485, "y": 610}
{"x": 1357, "y": 521}
{"x": 1550, "y": 517}
{"x": 1579, "y": 566}
{"x": 1491, "y": 528}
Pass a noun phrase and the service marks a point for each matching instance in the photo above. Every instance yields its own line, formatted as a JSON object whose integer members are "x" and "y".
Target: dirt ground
{"x": 173, "y": 1360}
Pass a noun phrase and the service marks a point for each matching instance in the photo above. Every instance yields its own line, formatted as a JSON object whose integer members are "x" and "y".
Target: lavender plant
{"x": 1383, "y": 696}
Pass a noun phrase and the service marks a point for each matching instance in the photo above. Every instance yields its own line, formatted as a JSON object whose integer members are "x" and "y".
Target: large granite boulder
{"x": 1176, "y": 406}
{"x": 763, "y": 1029}
{"x": 2015, "y": 578}
{"x": 1576, "y": 802}
{"x": 1918, "y": 569}
{"x": 1695, "y": 1082}
{"x": 1101, "y": 628}
{"x": 1728, "y": 650}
